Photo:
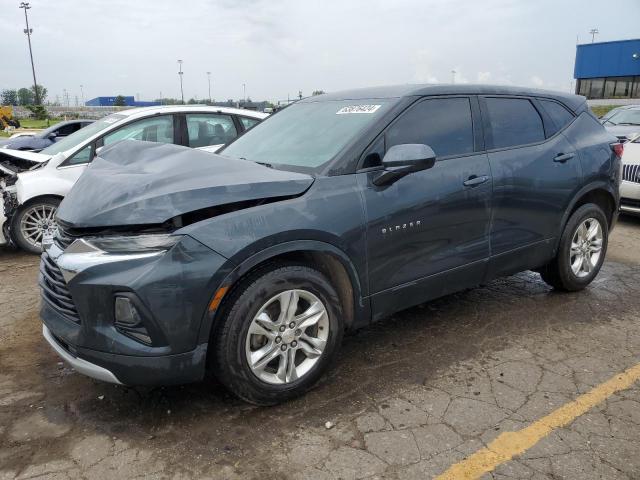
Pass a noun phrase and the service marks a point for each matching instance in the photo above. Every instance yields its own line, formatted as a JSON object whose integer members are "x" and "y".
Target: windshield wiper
{"x": 628, "y": 123}
{"x": 609, "y": 121}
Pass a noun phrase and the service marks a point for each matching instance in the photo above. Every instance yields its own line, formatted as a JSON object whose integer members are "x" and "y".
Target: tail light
{"x": 618, "y": 149}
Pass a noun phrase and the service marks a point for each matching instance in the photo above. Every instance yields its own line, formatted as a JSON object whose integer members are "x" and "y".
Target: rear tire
{"x": 581, "y": 252}
{"x": 268, "y": 349}
{"x": 32, "y": 221}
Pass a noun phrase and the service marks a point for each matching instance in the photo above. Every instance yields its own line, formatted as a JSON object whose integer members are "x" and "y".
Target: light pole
{"x": 593, "y": 33}
{"x": 82, "y": 95}
{"x": 244, "y": 92}
{"x": 180, "y": 75}
{"x": 28, "y": 31}
{"x": 453, "y": 76}
{"x": 209, "y": 82}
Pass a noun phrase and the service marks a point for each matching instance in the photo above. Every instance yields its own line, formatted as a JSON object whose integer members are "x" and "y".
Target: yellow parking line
{"x": 509, "y": 444}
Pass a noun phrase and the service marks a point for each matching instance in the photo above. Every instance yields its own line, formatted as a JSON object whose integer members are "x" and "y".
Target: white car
{"x": 32, "y": 185}
{"x": 630, "y": 186}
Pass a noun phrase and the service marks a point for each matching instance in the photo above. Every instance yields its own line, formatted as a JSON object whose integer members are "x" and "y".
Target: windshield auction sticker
{"x": 358, "y": 109}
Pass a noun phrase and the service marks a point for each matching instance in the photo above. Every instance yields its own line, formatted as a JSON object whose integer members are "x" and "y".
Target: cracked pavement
{"x": 409, "y": 396}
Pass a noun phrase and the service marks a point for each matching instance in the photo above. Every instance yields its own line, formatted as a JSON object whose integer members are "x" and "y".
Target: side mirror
{"x": 401, "y": 160}
{"x": 98, "y": 150}
{"x": 52, "y": 136}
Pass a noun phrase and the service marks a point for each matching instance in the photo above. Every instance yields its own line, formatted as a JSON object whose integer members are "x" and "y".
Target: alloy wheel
{"x": 287, "y": 337}
{"x": 36, "y": 222}
{"x": 586, "y": 247}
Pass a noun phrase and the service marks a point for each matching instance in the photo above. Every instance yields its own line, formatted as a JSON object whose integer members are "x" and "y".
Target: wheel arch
{"x": 599, "y": 193}
{"x": 327, "y": 258}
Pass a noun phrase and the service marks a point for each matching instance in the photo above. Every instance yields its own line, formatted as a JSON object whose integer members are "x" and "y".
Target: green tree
{"x": 41, "y": 90}
{"x": 119, "y": 101}
{"x": 25, "y": 97}
{"x": 38, "y": 111}
{"x": 317, "y": 92}
{"x": 9, "y": 97}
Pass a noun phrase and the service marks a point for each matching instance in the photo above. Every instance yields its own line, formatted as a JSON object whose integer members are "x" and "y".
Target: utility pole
{"x": 82, "y": 95}
{"x": 28, "y": 31}
{"x": 593, "y": 33}
{"x": 209, "y": 82}
{"x": 180, "y": 75}
{"x": 244, "y": 92}
{"x": 453, "y": 76}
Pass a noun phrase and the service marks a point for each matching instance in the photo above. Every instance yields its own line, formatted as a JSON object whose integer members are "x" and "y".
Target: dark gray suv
{"x": 333, "y": 213}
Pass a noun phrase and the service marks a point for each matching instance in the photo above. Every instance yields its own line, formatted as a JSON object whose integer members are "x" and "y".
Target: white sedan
{"x": 630, "y": 187}
{"x": 32, "y": 185}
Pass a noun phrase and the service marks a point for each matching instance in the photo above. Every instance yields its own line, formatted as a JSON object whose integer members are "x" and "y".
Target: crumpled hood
{"x": 144, "y": 183}
{"x": 15, "y": 161}
{"x": 9, "y": 154}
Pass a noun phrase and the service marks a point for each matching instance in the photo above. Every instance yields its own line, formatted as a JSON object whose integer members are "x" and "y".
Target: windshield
{"x": 306, "y": 134}
{"x": 625, "y": 117}
{"x": 81, "y": 135}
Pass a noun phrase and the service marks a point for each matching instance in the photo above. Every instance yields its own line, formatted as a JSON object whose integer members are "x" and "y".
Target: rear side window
{"x": 247, "y": 122}
{"x": 444, "y": 124}
{"x": 560, "y": 116}
{"x": 514, "y": 121}
{"x": 206, "y": 129}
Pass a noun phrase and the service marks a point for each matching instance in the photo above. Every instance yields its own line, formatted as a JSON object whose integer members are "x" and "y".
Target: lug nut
{"x": 282, "y": 328}
{"x": 278, "y": 339}
{"x": 298, "y": 332}
{"x": 292, "y": 324}
{"x": 294, "y": 343}
{"x": 283, "y": 347}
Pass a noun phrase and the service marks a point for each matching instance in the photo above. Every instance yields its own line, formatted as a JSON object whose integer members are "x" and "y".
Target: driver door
{"x": 428, "y": 232}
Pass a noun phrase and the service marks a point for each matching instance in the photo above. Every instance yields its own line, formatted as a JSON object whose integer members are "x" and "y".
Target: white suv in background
{"x": 630, "y": 186}
{"x": 32, "y": 185}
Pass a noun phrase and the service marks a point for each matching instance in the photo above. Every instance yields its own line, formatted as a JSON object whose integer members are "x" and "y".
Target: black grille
{"x": 631, "y": 173}
{"x": 54, "y": 289}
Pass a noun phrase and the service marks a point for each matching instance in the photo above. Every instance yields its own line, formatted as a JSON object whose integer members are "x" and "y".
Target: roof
{"x": 399, "y": 91}
{"x": 143, "y": 111}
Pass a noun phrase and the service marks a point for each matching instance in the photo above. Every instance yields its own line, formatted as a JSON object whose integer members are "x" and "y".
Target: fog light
{"x": 129, "y": 321}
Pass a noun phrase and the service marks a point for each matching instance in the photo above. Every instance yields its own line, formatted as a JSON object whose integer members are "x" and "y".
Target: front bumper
{"x": 630, "y": 197}
{"x": 82, "y": 366}
{"x": 172, "y": 289}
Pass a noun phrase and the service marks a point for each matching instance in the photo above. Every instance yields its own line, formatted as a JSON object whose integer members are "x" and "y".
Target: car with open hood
{"x": 335, "y": 212}
{"x": 32, "y": 185}
{"x": 36, "y": 141}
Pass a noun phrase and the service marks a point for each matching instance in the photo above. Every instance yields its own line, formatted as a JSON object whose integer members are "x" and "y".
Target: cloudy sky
{"x": 279, "y": 47}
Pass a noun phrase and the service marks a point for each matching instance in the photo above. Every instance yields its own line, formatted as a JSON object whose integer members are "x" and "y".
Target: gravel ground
{"x": 410, "y": 396}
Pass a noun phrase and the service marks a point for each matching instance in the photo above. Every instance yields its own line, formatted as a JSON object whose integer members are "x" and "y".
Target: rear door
{"x": 536, "y": 172}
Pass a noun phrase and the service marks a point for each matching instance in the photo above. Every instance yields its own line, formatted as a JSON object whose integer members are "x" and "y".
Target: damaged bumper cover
{"x": 8, "y": 206}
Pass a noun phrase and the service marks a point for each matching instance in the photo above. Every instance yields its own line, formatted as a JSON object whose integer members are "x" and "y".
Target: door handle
{"x": 563, "y": 157}
{"x": 475, "y": 180}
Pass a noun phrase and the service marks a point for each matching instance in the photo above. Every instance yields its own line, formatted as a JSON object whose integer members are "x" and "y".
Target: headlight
{"x": 134, "y": 243}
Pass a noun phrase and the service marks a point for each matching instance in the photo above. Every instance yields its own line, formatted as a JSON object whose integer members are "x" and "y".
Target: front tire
{"x": 32, "y": 221}
{"x": 581, "y": 251}
{"x": 281, "y": 329}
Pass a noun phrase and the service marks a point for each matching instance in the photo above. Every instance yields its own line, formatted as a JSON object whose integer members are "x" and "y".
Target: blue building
{"x": 608, "y": 69}
{"x": 129, "y": 101}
